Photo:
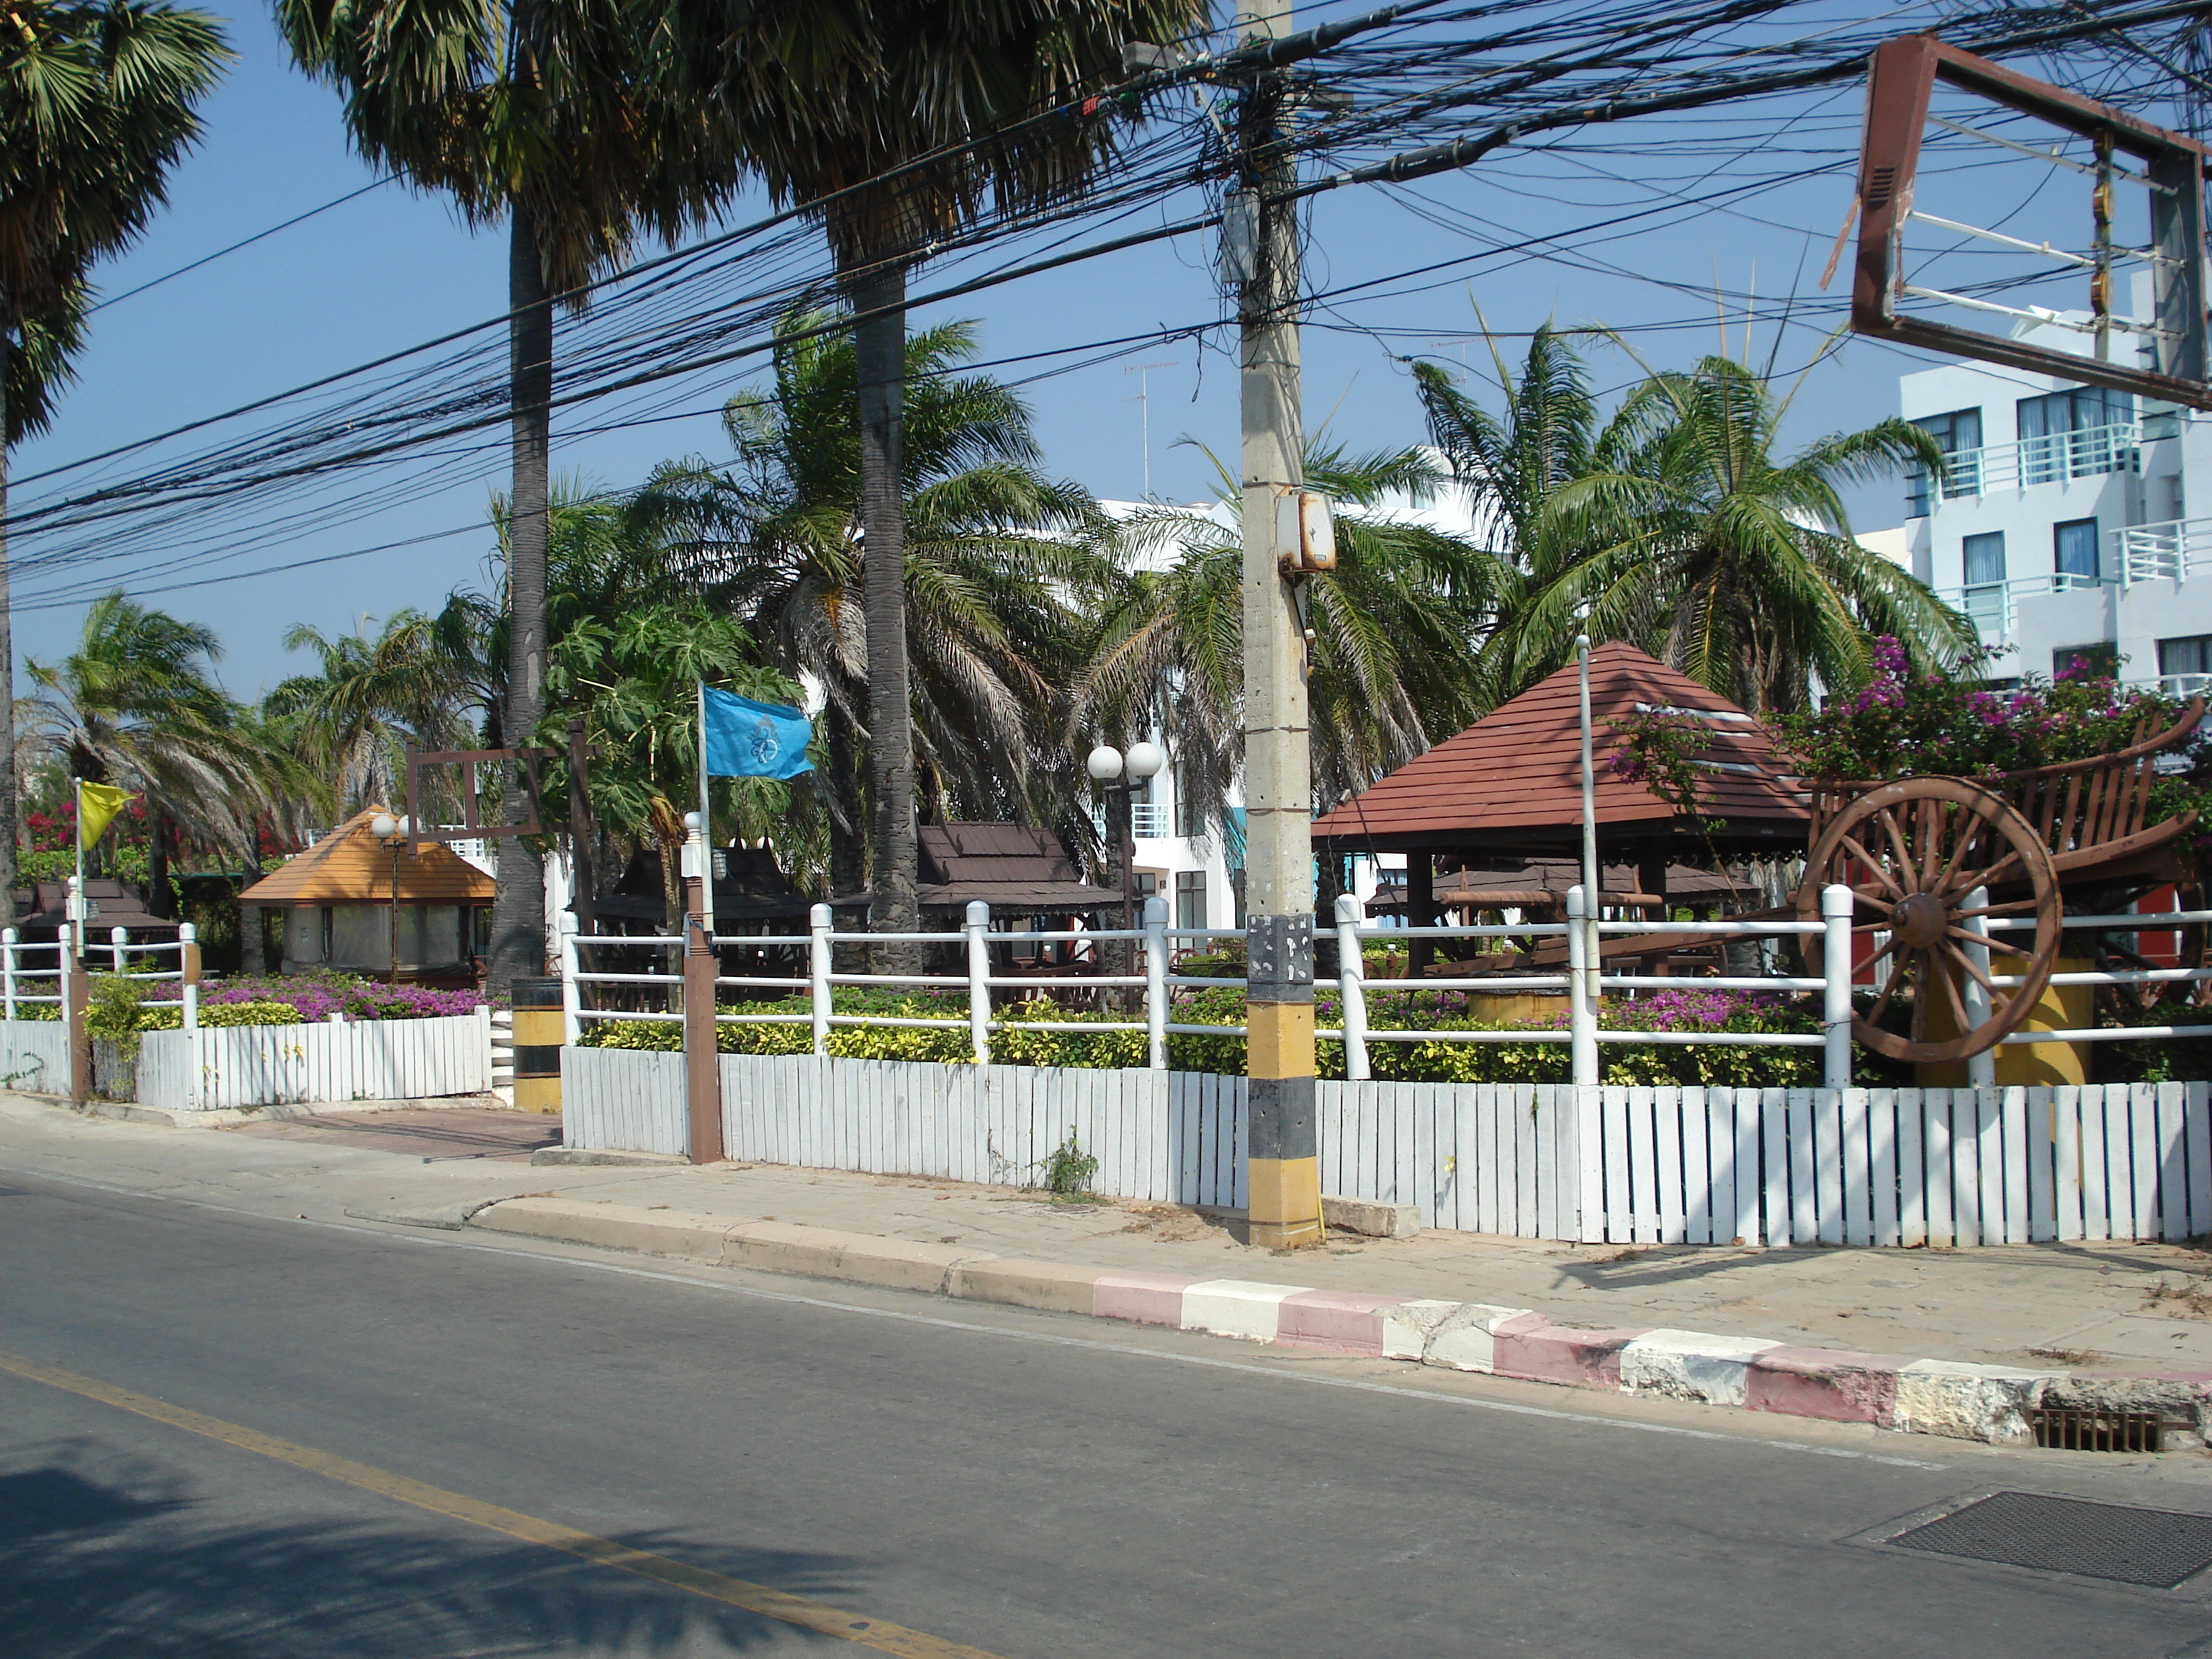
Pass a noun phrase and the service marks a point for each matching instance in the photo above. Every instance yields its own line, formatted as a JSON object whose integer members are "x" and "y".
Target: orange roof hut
{"x": 340, "y": 897}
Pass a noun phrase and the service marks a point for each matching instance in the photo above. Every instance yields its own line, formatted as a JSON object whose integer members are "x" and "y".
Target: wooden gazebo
{"x": 339, "y": 896}
{"x": 1508, "y": 790}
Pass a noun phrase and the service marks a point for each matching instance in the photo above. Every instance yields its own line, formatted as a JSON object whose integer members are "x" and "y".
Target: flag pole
{"x": 702, "y": 1066}
{"x": 77, "y": 922}
{"x": 706, "y": 827}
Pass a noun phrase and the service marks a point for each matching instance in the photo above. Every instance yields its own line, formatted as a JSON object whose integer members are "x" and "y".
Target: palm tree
{"x": 1684, "y": 532}
{"x": 1394, "y": 627}
{"x": 827, "y": 101}
{"x": 370, "y": 698}
{"x": 538, "y": 113}
{"x": 994, "y": 547}
{"x": 97, "y": 102}
{"x": 136, "y": 704}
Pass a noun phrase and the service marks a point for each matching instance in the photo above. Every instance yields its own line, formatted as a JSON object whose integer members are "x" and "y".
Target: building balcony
{"x": 2173, "y": 551}
{"x": 1148, "y": 820}
{"x": 1993, "y": 607}
{"x": 2054, "y": 458}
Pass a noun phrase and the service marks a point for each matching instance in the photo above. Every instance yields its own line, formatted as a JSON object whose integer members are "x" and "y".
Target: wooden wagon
{"x": 1933, "y": 861}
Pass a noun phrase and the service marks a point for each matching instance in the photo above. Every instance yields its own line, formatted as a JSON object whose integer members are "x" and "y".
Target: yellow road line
{"x": 770, "y": 1603}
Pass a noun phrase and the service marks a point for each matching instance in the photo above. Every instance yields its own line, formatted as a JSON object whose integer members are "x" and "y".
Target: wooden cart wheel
{"x": 1911, "y": 852}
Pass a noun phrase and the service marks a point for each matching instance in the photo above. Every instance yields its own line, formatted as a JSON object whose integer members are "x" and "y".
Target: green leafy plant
{"x": 113, "y": 1014}
{"x": 1068, "y": 1169}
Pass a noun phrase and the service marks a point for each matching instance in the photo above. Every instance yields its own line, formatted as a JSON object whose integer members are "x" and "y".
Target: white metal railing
{"x": 2051, "y": 457}
{"x": 17, "y": 954}
{"x": 1584, "y": 982}
{"x": 1148, "y": 820}
{"x": 2173, "y": 549}
{"x": 1993, "y": 607}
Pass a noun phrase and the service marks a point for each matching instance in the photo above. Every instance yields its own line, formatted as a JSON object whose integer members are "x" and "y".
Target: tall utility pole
{"x": 1284, "y": 1169}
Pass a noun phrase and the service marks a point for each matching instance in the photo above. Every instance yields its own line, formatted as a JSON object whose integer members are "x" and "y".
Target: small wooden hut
{"x": 339, "y": 899}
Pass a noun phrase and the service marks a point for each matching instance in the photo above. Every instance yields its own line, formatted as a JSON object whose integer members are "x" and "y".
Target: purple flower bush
{"x": 317, "y": 996}
{"x": 1902, "y": 724}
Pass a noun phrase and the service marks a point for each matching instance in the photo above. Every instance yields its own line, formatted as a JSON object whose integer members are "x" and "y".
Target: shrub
{"x": 1415, "y": 1062}
{"x": 170, "y": 1016}
{"x": 316, "y": 996}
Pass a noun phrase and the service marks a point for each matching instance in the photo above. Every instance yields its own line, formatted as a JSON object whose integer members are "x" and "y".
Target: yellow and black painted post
{"x": 540, "y": 1026}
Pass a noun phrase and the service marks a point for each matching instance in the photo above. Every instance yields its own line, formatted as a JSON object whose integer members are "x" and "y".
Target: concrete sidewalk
{"x": 1862, "y": 1321}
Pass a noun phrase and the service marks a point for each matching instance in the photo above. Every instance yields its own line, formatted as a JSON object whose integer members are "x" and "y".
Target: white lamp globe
{"x": 1105, "y": 762}
{"x": 382, "y": 826}
{"x": 404, "y": 827}
{"x": 1146, "y": 759}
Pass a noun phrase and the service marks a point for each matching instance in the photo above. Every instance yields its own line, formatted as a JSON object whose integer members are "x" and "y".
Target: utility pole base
{"x": 1283, "y": 1203}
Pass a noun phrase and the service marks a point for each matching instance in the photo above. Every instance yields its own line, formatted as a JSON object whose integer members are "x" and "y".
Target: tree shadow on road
{"x": 123, "y": 1564}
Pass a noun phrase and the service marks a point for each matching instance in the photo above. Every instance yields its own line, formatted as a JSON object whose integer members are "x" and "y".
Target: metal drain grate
{"x": 2157, "y": 1547}
{"x": 2073, "y": 1428}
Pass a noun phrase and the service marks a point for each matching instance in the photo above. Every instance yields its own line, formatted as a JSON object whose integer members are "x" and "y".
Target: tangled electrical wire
{"x": 1382, "y": 99}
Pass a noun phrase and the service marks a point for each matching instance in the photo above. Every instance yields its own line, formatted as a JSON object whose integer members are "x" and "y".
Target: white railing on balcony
{"x": 1992, "y": 607}
{"x": 2050, "y": 459}
{"x": 2173, "y": 550}
{"x": 1148, "y": 820}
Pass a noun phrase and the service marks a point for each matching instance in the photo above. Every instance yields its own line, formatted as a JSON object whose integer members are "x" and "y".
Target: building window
{"x": 2098, "y": 660}
{"x": 1190, "y": 898}
{"x": 2075, "y": 433}
{"x": 2184, "y": 666}
{"x": 1983, "y": 558}
{"x": 1189, "y": 820}
{"x": 1958, "y": 433}
{"x": 2073, "y": 552}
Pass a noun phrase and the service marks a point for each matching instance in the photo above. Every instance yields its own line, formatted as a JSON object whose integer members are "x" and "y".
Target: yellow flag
{"x": 97, "y": 804}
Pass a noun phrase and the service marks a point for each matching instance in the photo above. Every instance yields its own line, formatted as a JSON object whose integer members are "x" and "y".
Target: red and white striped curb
{"x": 1890, "y": 1391}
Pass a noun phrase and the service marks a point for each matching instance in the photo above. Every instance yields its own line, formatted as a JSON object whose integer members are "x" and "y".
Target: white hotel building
{"x": 2061, "y": 527}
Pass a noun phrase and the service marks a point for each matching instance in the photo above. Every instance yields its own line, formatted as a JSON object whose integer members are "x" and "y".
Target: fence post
{"x": 1982, "y": 1069}
{"x": 1836, "y": 994}
{"x": 1350, "y": 979}
{"x": 1582, "y": 988}
{"x": 979, "y": 980}
{"x": 818, "y": 924}
{"x": 188, "y": 975}
{"x": 118, "y": 940}
{"x": 572, "y": 991}
{"x": 1156, "y": 982}
{"x": 8, "y": 937}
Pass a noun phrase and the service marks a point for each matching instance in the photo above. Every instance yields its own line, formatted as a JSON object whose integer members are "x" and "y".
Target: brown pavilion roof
{"x": 1513, "y": 780}
{"x": 352, "y": 867}
{"x": 1015, "y": 868}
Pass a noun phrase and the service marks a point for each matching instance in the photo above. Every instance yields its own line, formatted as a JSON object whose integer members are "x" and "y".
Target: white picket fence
{"x": 217, "y": 1068}
{"x": 35, "y": 1056}
{"x": 1624, "y": 1165}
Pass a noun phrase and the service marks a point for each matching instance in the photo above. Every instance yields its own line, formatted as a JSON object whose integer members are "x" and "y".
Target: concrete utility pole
{"x": 1260, "y": 244}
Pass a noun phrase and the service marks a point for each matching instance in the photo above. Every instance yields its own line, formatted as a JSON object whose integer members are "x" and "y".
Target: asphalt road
{"x": 1011, "y": 1483}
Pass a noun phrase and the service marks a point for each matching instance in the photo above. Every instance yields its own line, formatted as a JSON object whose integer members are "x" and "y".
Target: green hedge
{"x": 1417, "y": 1063}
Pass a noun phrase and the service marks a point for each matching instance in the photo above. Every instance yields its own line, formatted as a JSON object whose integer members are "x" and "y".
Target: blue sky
{"x": 392, "y": 267}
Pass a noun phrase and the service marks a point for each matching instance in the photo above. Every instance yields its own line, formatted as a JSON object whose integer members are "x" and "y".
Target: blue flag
{"x": 749, "y": 739}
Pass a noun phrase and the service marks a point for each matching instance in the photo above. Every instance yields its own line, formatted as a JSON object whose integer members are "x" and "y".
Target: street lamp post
{"x": 1121, "y": 775}
{"x": 393, "y": 833}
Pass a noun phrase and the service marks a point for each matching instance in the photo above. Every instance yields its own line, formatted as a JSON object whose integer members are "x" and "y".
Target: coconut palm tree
{"x": 832, "y": 104}
{"x": 539, "y": 114}
{"x": 1395, "y": 627}
{"x": 1684, "y": 532}
{"x": 371, "y": 696}
{"x": 97, "y": 103}
{"x": 136, "y": 704}
{"x": 994, "y": 547}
